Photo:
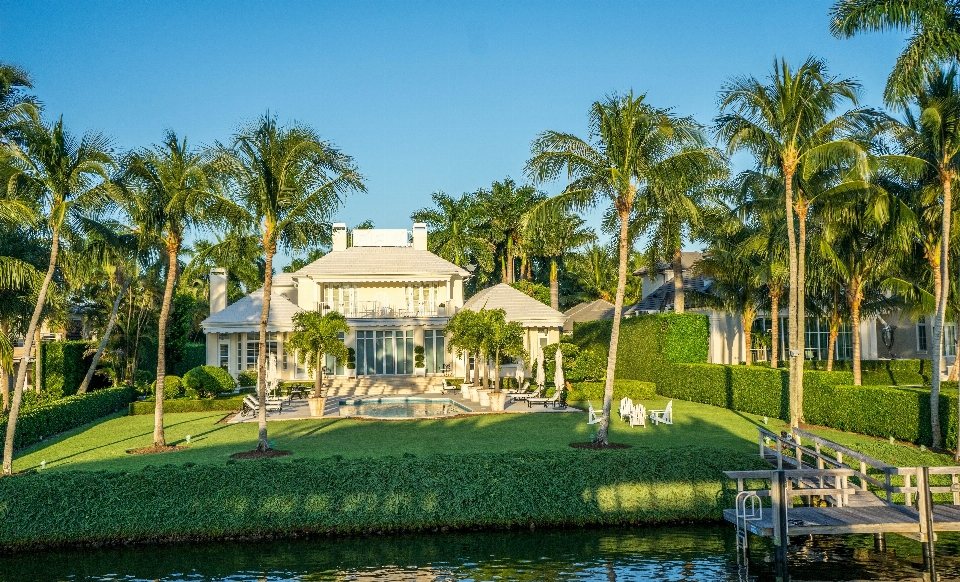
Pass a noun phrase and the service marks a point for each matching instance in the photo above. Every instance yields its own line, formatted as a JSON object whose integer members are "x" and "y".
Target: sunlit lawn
{"x": 103, "y": 445}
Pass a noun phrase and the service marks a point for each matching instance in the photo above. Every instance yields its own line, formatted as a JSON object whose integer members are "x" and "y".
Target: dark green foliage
{"x": 351, "y": 359}
{"x": 179, "y": 329}
{"x": 418, "y": 360}
{"x": 903, "y": 413}
{"x": 195, "y": 354}
{"x": 538, "y": 291}
{"x": 246, "y": 379}
{"x": 883, "y": 372}
{"x": 635, "y": 389}
{"x": 172, "y": 387}
{"x": 54, "y": 417}
{"x": 224, "y": 403}
{"x": 334, "y": 495}
{"x": 64, "y": 366}
{"x": 209, "y": 381}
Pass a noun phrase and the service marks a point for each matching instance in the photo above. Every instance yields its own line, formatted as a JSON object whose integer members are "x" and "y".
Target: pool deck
{"x": 299, "y": 409}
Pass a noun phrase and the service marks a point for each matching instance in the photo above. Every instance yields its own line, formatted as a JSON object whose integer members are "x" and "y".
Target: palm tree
{"x": 17, "y": 109}
{"x": 465, "y": 330}
{"x": 291, "y": 182}
{"x": 66, "y": 178}
{"x": 174, "y": 190}
{"x": 554, "y": 234}
{"x": 933, "y": 26}
{"x": 315, "y": 336}
{"x": 505, "y": 206}
{"x": 456, "y": 230}
{"x": 631, "y": 145}
{"x": 594, "y": 268}
{"x": 787, "y": 126}
{"x": 501, "y": 338}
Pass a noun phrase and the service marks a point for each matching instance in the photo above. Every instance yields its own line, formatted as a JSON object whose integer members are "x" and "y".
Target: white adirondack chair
{"x": 593, "y": 416}
{"x": 626, "y": 408}
{"x": 638, "y": 416}
{"x": 665, "y": 416}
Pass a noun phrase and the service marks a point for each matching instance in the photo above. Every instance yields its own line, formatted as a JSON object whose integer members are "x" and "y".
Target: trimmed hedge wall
{"x": 883, "y": 372}
{"x": 65, "y": 414}
{"x": 226, "y": 404}
{"x": 388, "y": 494}
{"x": 635, "y": 389}
{"x": 63, "y": 367}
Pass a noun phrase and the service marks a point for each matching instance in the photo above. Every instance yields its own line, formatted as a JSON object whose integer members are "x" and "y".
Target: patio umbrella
{"x": 519, "y": 374}
{"x": 541, "y": 376}
{"x": 271, "y": 371}
{"x": 558, "y": 374}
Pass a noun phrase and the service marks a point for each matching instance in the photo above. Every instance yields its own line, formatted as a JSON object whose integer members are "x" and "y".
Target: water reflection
{"x": 666, "y": 553}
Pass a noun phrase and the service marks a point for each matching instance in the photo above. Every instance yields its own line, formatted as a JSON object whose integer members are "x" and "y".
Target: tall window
{"x": 922, "y": 334}
{"x": 434, "y": 351}
{"x": 239, "y": 352}
{"x": 225, "y": 356}
{"x": 950, "y": 339}
{"x": 253, "y": 349}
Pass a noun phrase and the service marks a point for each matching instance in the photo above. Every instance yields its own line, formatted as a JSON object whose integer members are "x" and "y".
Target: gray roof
{"x": 661, "y": 299}
{"x": 687, "y": 260}
{"x": 380, "y": 261}
{"x": 518, "y": 305}
{"x": 587, "y": 311}
{"x": 246, "y": 314}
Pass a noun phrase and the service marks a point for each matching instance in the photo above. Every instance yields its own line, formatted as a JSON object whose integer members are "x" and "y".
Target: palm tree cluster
{"x": 88, "y": 226}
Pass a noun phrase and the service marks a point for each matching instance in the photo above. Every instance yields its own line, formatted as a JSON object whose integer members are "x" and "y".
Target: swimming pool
{"x": 401, "y": 407}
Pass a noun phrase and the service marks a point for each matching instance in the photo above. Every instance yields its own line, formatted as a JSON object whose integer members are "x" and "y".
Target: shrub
{"x": 208, "y": 381}
{"x": 63, "y": 367}
{"x": 351, "y": 359}
{"x": 883, "y": 372}
{"x": 635, "y": 389}
{"x": 226, "y": 404}
{"x": 194, "y": 354}
{"x": 54, "y": 417}
{"x": 172, "y": 387}
{"x": 387, "y": 494}
{"x": 246, "y": 379}
{"x": 418, "y": 360}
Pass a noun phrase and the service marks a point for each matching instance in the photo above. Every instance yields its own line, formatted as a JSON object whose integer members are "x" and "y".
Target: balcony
{"x": 379, "y": 310}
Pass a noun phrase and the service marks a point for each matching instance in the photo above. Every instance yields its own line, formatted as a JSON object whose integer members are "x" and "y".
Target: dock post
{"x": 781, "y": 537}
{"x": 925, "y": 502}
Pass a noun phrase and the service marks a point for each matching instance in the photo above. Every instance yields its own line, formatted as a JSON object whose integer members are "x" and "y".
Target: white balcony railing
{"x": 377, "y": 309}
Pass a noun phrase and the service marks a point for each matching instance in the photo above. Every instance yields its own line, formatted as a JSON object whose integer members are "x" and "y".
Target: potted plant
{"x": 419, "y": 365}
{"x": 351, "y": 363}
{"x": 314, "y": 336}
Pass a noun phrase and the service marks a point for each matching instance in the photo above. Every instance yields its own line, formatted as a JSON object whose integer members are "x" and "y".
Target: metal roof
{"x": 372, "y": 263}
{"x": 246, "y": 314}
{"x": 518, "y": 306}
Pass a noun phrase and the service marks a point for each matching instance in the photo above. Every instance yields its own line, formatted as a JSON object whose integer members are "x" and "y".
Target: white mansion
{"x": 394, "y": 294}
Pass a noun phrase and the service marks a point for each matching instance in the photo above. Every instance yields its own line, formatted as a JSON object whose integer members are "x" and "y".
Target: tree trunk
{"x": 955, "y": 369}
{"x": 263, "y": 443}
{"x": 832, "y": 347}
{"x": 855, "y": 300}
{"x": 677, "y": 281}
{"x": 775, "y": 294}
{"x": 554, "y": 285}
{"x": 25, "y": 361}
{"x": 318, "y": 377}
{"x": 510, "y": 259}
{"x": 103, "y": 340}
{"x": 496, "y": 371}
{"x": 466, "y": 368}
{"x": 173, "y": 249}
{"x": 795, "y": 356}
{"x": 604, "y": 429}
{"x": 5, "y": 374}
{"x": 943, "y": 276}
{"x": 746, "y": 320}
{"x": 801, "y": 300}
{"x": 38, "y": 360}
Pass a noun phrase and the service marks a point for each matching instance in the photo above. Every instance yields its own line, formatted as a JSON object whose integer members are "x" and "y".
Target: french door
{"x": 384, "y": 352}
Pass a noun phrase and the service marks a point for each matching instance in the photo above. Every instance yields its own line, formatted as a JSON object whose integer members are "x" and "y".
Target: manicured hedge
{"x": 226, "y": 404}
{"x": 387, "y": 494}
{"x": 883, "y": 372}
{"x": 635, "y": 389}
{"x": 64, "y": 367}
{"x": 48, "y": 419}
{"x": 246, "y": 379}
{"x": 172, "y": 387}
{"x": 209, "y": 381}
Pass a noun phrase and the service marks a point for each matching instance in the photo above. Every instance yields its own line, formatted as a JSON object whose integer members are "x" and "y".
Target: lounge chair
{"x": 555, "y": 400}
{"x": 638, "y": 416}
{"x": 665, "y": 416}
{"x": 520, "y": 396}
{"x": 251, "y": 404}
{"x": 593, "y": 417}
{"x": 522, "y": 390}
{"x": 626, "y": 408}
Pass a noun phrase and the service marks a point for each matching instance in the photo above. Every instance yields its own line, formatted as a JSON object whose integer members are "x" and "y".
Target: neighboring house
{"x": 394, "y": 293}
{"x": 587, "y": 311}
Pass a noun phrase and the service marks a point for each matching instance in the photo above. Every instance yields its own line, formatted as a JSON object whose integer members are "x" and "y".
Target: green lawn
{"x": 102, "y": 446}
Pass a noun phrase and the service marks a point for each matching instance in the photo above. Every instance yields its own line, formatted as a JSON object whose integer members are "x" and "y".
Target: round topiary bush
{"x": 208, "y": 381}
{"x": 246, "y": 379}
{"x": 172, "y": 387}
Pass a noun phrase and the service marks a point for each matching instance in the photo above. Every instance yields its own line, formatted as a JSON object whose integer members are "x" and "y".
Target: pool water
{"x": 401, "y": 407}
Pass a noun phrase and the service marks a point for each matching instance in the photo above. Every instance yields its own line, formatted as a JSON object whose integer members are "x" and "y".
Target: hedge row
{"x": 334, "y": 495}
{"x": 67, "y": 413}
{"x": 63, "y": 367}
{"x": 226, "y": 404}
{"x": 635, "y": 389}
{"x": 883, "y": 372}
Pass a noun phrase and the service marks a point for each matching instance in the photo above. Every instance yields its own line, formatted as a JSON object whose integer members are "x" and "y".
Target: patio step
{"x": 374, "y": 385}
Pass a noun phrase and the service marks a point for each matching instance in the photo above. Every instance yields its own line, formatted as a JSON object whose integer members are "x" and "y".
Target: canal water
{"x": 662, "y": 553}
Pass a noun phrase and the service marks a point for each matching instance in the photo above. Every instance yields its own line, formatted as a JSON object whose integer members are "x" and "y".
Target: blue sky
{"x": 425, "y": 95}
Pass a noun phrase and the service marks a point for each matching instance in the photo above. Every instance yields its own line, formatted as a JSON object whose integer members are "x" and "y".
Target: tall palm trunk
{"x": 24, "y": 362}
{"x": 263, "y": 444}
{"x": 938, "y": 319}
{"x": 746, "y": 320}
{"x": 554, "y": 285}
{"x": 37, "y": 359}
{"x": 677, "y": 281}
{"x": 4, "y": 375}
{"x": 603, "y": 431}
{"x": 466, "y": 368}
{"x": 106, "y": 337}
{"x": 318, "y": 376}
{"x": 803, "y": 208}
{"x": 795, "y": 357}
{"x": 856, "y": 298}
{"x": 775, "y": 293}
{"x": 496, "y": 371}
{"x": 933, "y": 259}
{"x": 173, "y": 249}
{"x": 510, "y": 260}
